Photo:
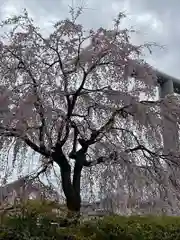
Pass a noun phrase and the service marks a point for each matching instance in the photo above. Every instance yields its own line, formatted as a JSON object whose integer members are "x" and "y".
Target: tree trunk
{"x": 70, "y": 188}
{"x": 73, "y": 198}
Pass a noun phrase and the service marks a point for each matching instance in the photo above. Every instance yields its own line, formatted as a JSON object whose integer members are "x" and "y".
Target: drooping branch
{"x": 109, "y": 125}
{"x": 12, "y": 132}
{"x": 65, "y": 79}
{"x": 38, "y": 103}
{"x": 123, "y": 112}
{"x": 42, "y": 169}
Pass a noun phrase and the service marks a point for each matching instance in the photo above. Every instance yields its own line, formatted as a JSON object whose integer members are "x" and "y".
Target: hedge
{"x": 133, "y": 228}
{"x": 25, "y": 226}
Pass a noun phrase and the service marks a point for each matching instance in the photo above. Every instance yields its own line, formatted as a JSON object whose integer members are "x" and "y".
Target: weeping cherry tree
{"x": 73, "y": 97}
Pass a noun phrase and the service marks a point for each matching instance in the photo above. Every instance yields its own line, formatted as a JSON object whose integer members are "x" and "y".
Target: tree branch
{"x": 112, "y": 156}
{"x": 43, "y": 169}
{"x": 40, "y": 149}
{"x": 76, "y": 132}
{"x": 12, "y": 132}
{"x": 109, "y": 124}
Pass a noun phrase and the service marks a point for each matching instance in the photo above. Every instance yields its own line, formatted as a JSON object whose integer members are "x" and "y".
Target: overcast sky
{"x": 157, "y": 21}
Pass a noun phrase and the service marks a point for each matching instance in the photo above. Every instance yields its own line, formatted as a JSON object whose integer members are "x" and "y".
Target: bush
{"x": 31, "y": 220}
{"x": 133, "y": 228}
{"x": 35, "y": 223}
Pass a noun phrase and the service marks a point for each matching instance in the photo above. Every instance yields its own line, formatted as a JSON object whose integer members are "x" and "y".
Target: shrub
{"x": 24, "y": 225}
{"x": 133, "y": 228}
{"x": 32, "y": 220}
